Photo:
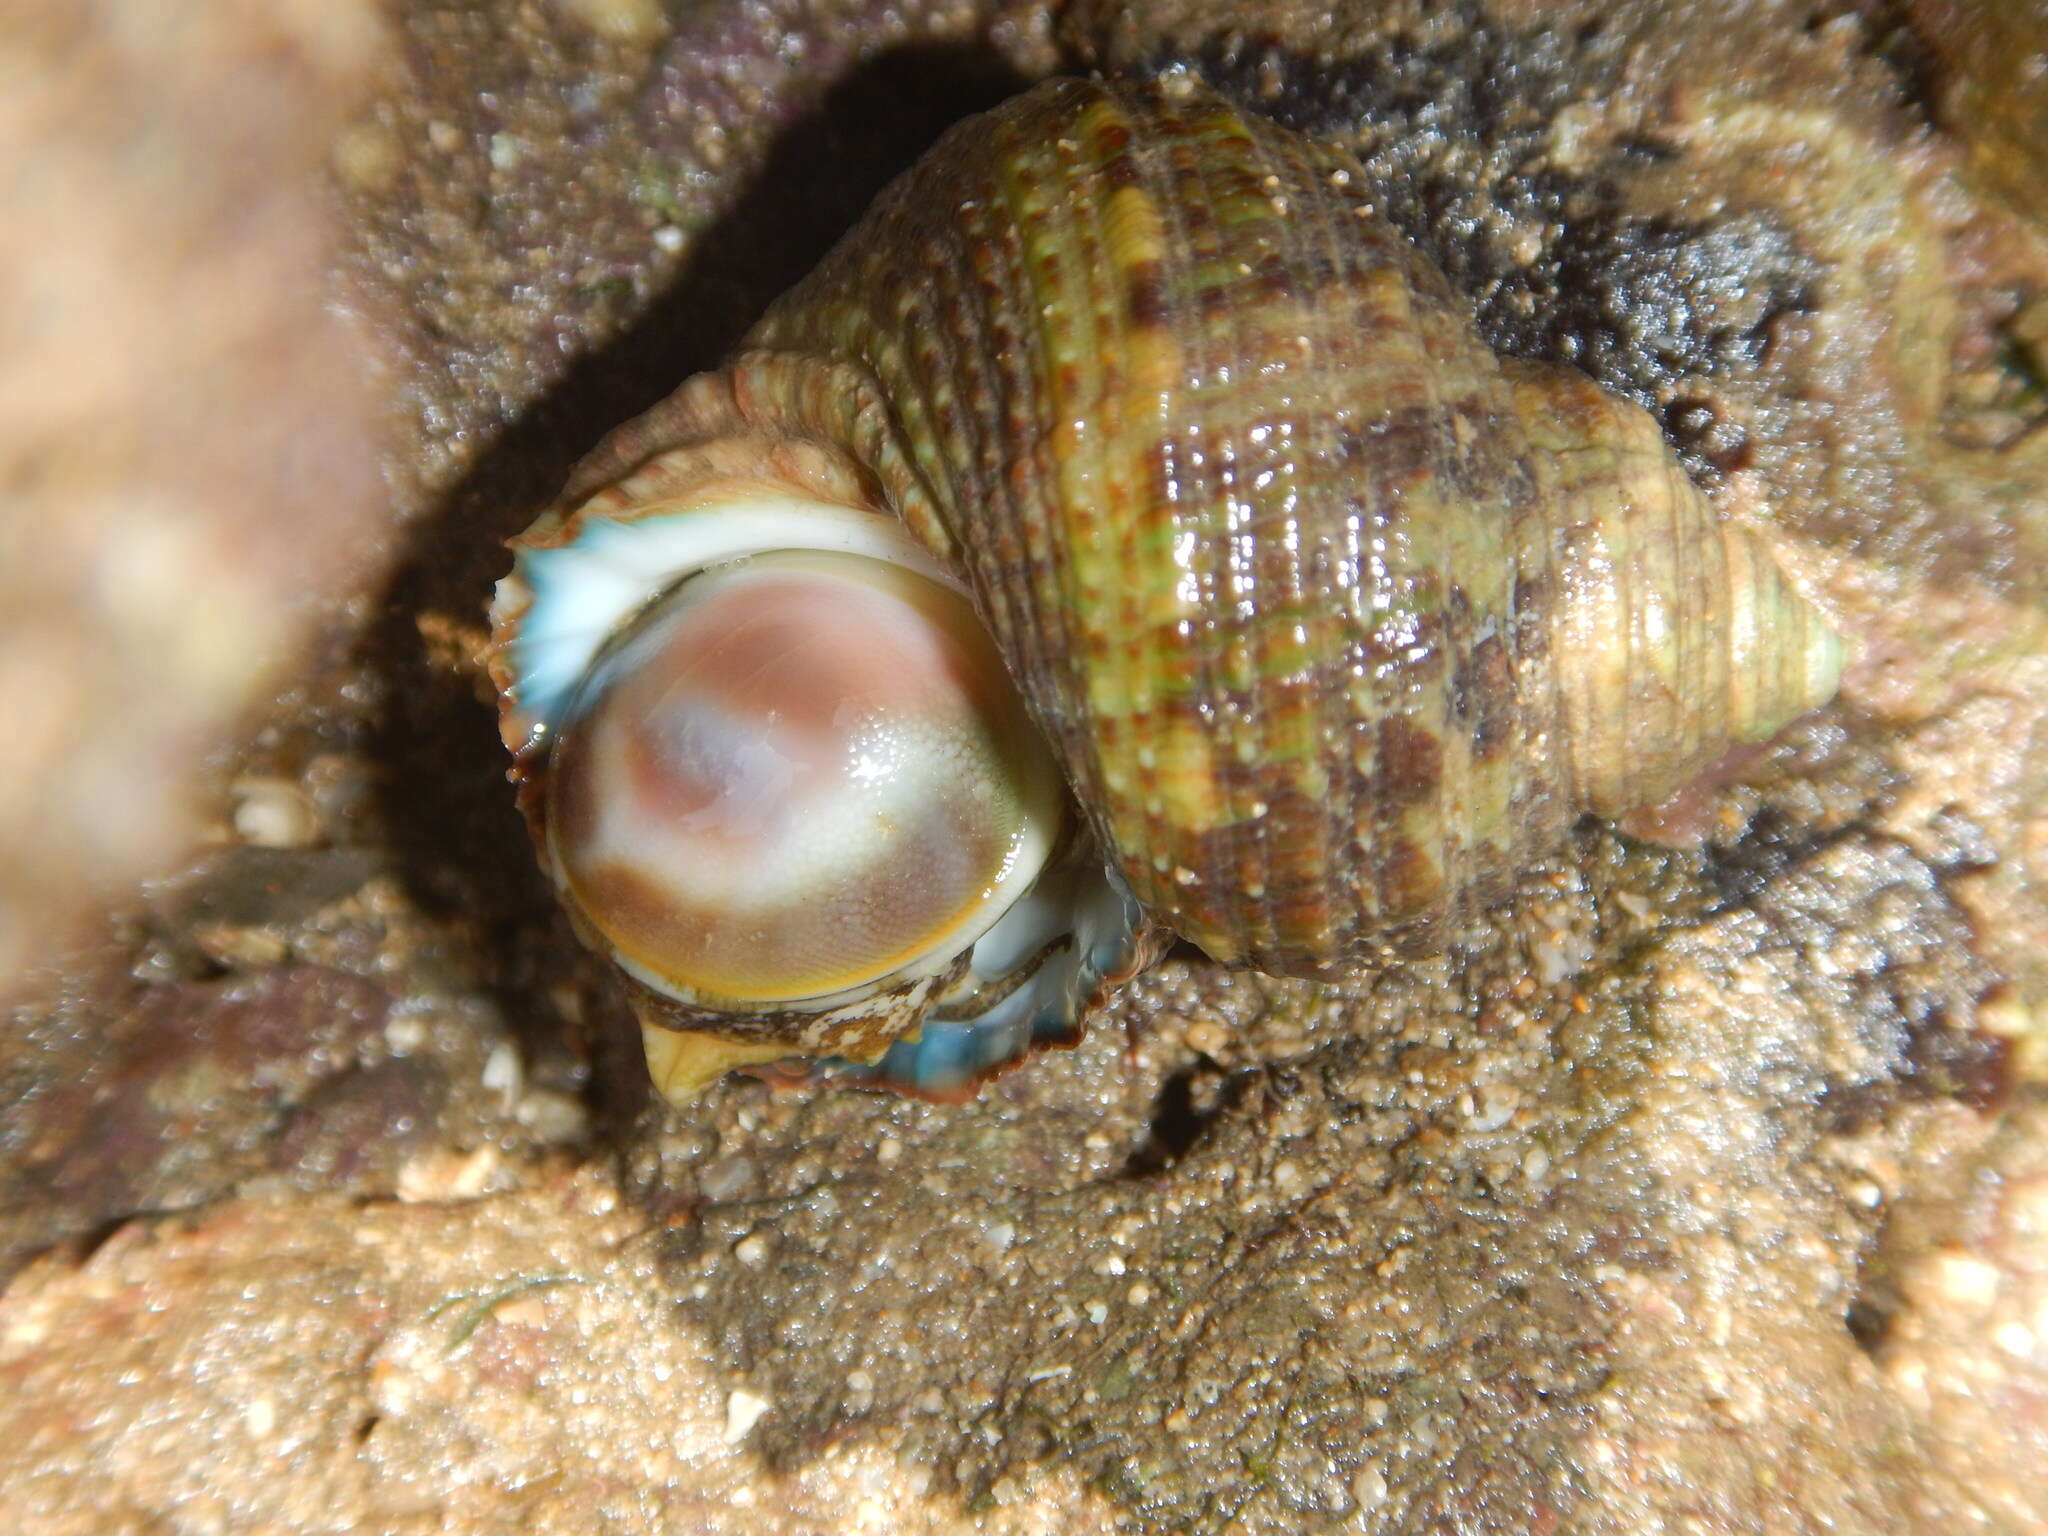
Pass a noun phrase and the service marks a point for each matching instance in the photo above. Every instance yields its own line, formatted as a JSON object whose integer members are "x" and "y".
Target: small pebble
{"x": 752, "y": 1250}
{"x": 274, "y": 813}
{"x": 554, "y": 1118}
{"x": 1961, "y": 1279}
{"x": 503, "y": 1075}
{"x": 1494, "y": 1105}
{"x": 368, "y": 156}
{"x": 260, "y": 1414}
{"x": 726, "y": 1179}
{"x": 1369, "y": 1486}
{"x": 1559, "y": 956}
{"x": 743, "y": 1410}
{"x": 529, "y": 1311}
{"x": 235, "y": 947}
{"x": 441, "y": 1174}
{"x": 405, "y": 1034}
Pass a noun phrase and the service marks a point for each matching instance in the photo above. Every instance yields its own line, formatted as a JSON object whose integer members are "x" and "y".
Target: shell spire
{"x": 1676, "y": 635}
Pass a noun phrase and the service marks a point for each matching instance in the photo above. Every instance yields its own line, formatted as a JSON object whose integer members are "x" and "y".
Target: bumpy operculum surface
{"x": 1279, "y": 551}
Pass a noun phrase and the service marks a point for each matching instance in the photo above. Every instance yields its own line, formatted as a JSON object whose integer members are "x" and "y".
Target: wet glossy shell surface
{"x": 1283, "y": 556}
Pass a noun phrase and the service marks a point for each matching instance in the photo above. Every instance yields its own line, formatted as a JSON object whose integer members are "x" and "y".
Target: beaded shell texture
{"x": 1333, "y": 619}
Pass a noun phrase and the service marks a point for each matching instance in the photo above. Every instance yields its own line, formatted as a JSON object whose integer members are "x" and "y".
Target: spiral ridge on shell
{"x": 1277, "y": 546}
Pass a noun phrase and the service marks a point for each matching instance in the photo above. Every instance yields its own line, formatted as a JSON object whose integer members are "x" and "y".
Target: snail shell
{"x": 1331, "y": 618}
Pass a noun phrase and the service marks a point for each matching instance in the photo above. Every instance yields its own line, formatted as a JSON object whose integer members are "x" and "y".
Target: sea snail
{"x": 1122, "y": 532}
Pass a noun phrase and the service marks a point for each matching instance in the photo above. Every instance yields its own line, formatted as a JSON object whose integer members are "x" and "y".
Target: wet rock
{"x": 354, "y": 1131}
{"x": 188, "y": 465}
{"x": 188, "y": 1082}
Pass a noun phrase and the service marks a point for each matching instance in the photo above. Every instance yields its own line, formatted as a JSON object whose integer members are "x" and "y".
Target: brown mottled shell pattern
{"x": 1335, "y": 617}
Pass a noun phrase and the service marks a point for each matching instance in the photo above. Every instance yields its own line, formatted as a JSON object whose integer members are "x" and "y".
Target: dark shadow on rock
{"x": 1188, "y": 1102}
{"x": 449, "y": 819}
{"x": 1738, "y": 872}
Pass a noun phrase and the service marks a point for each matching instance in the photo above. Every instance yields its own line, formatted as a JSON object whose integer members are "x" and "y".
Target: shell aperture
{"x": 797, "y": 775}
{"x": 782, "y": 781}
{"x": 1332, "y": 619}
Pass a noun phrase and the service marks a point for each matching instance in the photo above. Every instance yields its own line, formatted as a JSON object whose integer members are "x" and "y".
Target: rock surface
{"x": 188, "y": 477}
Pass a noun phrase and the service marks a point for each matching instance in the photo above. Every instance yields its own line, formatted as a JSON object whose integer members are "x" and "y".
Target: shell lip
{"x": 1081, "y": 934}
{"x": 948, "y": 957}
